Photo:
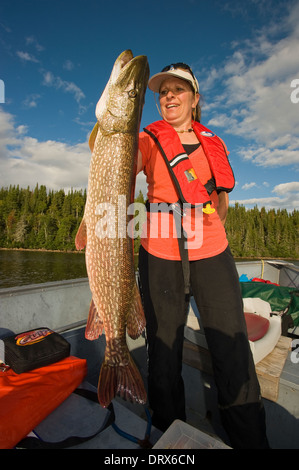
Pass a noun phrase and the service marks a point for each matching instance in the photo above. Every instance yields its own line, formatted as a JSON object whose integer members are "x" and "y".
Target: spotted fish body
{"x": 116, "y": 306}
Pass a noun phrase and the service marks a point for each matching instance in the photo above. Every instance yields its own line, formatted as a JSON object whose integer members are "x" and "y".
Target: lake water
{"x": 18, "y": 267}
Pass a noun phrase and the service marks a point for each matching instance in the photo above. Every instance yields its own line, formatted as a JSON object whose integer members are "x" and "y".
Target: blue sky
{"x": 56, "y": 57}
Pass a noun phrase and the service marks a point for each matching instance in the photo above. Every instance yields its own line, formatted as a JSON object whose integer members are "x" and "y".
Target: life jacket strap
{"x": 178, "y": 213}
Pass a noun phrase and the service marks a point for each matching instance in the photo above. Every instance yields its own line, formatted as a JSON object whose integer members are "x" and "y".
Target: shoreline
{"x": 43, "y": 250}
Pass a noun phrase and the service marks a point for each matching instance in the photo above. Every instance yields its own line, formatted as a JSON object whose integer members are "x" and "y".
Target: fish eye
{"x": 132, "y": 93}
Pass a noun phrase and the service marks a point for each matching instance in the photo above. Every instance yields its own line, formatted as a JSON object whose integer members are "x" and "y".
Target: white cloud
{"x": 269, "y": 203}
{"x": 26, "y": 57}
{"x": 69, "y": 87}
{"x": 31, "y": 101}
{"x": 68, "y": 65}
{"x": 26, "y": 161}
{"x": 255, "y": 100}
{"x": 287, "y": 198}
{"x": 287, "y": 188}
{"x": 141, "y": 184}
{"x": 264, "y": 156}
{"x": 48, "y": 79}
{"x": 31, "y": 40}
{"x": 247, "y": 186}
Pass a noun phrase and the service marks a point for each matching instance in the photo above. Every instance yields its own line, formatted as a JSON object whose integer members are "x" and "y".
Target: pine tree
{"x": 50, "y": 219}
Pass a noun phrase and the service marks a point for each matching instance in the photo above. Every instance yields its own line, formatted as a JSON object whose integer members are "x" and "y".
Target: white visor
{"x": 155, "y": 81}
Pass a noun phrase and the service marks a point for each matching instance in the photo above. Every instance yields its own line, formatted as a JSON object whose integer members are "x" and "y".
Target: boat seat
{"x": 257, "y": 326}
{"x": 264, "y": 331}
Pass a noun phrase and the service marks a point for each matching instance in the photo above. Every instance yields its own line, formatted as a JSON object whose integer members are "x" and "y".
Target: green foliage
{"x": 41, "y": 219}
{"x": 260, "y": 233}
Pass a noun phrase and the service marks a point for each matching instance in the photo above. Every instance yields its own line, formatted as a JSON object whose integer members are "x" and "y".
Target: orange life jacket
{"x": 189, "y": 188}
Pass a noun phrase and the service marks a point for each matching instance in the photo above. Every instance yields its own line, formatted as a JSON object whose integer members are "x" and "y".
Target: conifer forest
{"x": 45, "y": 219}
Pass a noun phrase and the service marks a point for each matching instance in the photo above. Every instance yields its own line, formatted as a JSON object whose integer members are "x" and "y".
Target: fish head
{"x": 120, "y": 106}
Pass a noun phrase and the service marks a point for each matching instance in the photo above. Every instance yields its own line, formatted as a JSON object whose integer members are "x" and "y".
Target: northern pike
{"x": 116, "y": 305}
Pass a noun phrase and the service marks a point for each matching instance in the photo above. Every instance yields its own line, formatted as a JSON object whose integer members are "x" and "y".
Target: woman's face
{"x": 177, "y": 102}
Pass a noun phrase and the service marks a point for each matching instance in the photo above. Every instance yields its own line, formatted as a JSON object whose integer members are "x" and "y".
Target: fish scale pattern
{"x": 116, "y": 306}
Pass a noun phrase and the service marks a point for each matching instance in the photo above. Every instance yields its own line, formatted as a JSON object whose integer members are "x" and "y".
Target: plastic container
{"x": 181, "y": 435}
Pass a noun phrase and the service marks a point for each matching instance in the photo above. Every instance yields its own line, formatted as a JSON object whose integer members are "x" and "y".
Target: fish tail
{"x": 136, "y": 318}
{"x": 94, "y": 327}
{"x": 123, "y": 380}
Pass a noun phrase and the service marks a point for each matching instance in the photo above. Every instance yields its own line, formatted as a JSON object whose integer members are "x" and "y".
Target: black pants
{"x": 216, "y": 290}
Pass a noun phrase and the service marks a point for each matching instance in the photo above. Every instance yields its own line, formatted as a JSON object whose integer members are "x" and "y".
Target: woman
{"x": 186, "y": 166}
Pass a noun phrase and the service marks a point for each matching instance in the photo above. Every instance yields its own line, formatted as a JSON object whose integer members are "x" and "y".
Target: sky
{"x": 57, "y": 55}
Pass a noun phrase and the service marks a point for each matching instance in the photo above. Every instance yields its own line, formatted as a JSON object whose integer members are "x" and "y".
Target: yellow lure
{"x": 207, "y": 209}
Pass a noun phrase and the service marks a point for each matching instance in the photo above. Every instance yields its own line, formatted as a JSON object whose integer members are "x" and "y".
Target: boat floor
{"x": 78, "y": 416}
{"x": 82, "y": 417}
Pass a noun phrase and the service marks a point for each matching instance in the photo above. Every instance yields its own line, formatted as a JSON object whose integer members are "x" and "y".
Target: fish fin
{"x": 120, "y": 379}
{"x": 95, "y": 325}
{"x": 136, "y": 318}
{"x": 81, "y": 236}
{"x": 93, "y": 136}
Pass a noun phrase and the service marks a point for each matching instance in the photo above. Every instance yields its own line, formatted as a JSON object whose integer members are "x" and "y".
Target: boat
{"x": 270, "y": 291}
{"x": 63, "y": 307}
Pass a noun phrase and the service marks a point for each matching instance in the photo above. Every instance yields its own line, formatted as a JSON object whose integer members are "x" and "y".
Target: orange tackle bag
{"x": 28, "y": 398}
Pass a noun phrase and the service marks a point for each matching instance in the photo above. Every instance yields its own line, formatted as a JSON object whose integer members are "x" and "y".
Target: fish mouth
{"x": 124, "y": 58}
{"x": 124, "y": 95}
{"x": 126, "y": 65}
